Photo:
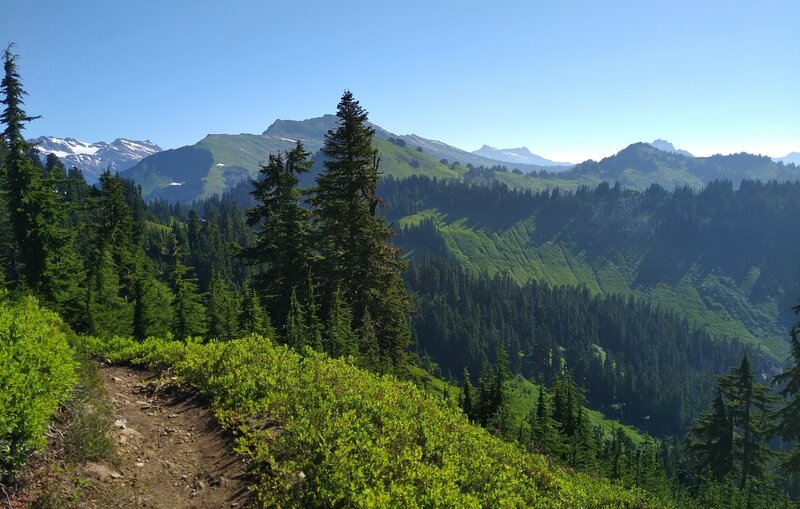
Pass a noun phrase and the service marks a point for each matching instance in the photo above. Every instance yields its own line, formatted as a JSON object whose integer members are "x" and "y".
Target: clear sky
{"x": 570, "y": 80}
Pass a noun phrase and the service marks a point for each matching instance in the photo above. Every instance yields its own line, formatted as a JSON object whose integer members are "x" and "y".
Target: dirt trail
{"x": 172, "y": 453}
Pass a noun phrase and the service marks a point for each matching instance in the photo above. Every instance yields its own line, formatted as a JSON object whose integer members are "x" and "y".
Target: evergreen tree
{"x": 222, "y": 309}
{"x": 188, "y": 311}
{"x": 750, "y": 411}
{"x": 282, "y": 252}
{"x": 788, "y": 416}
{"x": 314, "y": 328}
{"x": 711, "y": 439}
{"x": 295, "y": 330}
{"x": 40, "y": 256}
{"x": 111, "y": 267}
{"x": 466, "y": 395}
{"x": 253, "y": 319}
{"x": 340, "y": 339}
{"x": 354, "y": 241}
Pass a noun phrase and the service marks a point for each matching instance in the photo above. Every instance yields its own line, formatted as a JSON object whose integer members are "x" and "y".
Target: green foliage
{"x": 188, "y": 311}
{"x": 37, "y": 374}
{"x": 320, "y": 433}
{"x": 282, "y": 252}
{"x": 354, "y": 241}
{"x": 222, "y": 309}
{"x": 788, "y": 416}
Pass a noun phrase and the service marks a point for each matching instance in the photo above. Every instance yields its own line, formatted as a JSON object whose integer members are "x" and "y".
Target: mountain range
{"x": 94, "y": 158}
{"x": 516, "y": 156}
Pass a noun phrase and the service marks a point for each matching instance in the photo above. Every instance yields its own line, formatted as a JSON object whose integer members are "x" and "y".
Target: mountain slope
{"x": 94, "y": 158}
{"x": 516, "y": 156}
{"x": 674, "y": 249}
{"x": 790, "y": 158}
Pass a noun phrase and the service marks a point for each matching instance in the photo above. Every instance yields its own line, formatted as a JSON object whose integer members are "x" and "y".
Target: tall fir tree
{"x": 353, "y": 239}
{"x": 41, "y": 256}
{"x": 750, "y": 408}
{"x": 711, "y": 439}
{"x": 281, "y": 253}
{"x": 222, "y": 309}
{"x": 253, "y": 318}
{"x": 295, "y": 330}
{"x": 188, "y": 311}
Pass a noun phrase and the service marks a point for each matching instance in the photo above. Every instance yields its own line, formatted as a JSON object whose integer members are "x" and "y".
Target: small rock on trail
{"x": 172, "y": 453}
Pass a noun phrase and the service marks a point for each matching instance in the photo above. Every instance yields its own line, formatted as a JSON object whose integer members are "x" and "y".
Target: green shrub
{"x": 37, "y": 373}
{"x": 321, "y": 432}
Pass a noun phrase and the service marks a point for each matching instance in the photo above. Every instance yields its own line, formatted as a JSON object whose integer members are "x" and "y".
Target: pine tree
{"x": 340, "y": 339}
{"x": 750, "y": 409}
{"x": 788, "y": 416}
{"x": 40, "y": 256}
{"x": 111, "y": 268}
{"x": 222, "y": 310}
{"x": 711, "y": 439}
{"x": 466, "y": 395}
{"x": 295, "y": 331}
{"x": 354, "y": 241}
{"x": 282, "y": 252}
{"x": 314, "y": 328}
{"x": 253, "y": 319}
{"x": 188, "y": 311}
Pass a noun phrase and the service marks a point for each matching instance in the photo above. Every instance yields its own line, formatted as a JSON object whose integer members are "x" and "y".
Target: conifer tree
{"x": 282, "y": 252}
{"x": 40, "y": 256}
{"x": 466, "y": 395}
{"x": 188, "y": 311}
{"x": 340, "y": 339}
{"x": 544, "y": 435}
{"x": 110, "y": 261}
{"x": 354, "y": 241}
{"x": 788, "y": 416}
{"x": 711, "y": 439}
{"x": 253, "y": 319}
{"x": 222, "y": 309}
{"x": 750, "y": 409}
{"x": 314, "y": 328}
{"x": 295, "y": 331}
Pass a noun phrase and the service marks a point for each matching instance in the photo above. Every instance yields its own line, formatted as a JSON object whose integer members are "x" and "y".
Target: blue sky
{"x": 570, "y": 80}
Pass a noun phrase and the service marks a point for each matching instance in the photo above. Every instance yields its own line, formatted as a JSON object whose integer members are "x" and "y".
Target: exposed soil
{"x": 172, "y": 453}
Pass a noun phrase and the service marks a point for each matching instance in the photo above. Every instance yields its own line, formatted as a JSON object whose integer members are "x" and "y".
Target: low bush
{"x": 37, "y": 374}
{"x": 320, "y": 432}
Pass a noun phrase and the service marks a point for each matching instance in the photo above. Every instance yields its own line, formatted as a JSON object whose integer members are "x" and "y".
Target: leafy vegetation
{"x": 37, "y": 374}
{"x": 322, "y": 433}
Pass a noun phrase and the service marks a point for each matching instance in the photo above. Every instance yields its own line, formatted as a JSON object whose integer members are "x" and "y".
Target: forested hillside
{"x": 721, "y": 257}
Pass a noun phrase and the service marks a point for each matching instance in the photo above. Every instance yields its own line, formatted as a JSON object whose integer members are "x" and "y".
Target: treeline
{"x": 314, "y": 267}
{"x": 640, "y": 364}
{"x": 733, "y": 231}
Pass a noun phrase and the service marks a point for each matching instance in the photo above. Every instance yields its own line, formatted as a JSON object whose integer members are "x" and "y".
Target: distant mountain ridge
{"x": 94, "y": 158}
{"x": 666, "y": 146}
{"x": 221, "y": 161}
{"x": 516, "y": 155}
{"x": 790, "y": 158}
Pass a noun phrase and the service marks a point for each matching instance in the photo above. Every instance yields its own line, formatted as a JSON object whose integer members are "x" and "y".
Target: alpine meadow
{"x": 324, "y": 313}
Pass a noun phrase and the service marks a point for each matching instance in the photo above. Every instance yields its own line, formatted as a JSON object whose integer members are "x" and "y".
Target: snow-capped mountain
{"x": 94, "y": 158}
{"x": 665, "y": 146}
{"x": 516, "y": 155}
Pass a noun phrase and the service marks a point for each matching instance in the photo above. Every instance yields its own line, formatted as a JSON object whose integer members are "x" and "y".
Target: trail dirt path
{"x": 172, "y": 453}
